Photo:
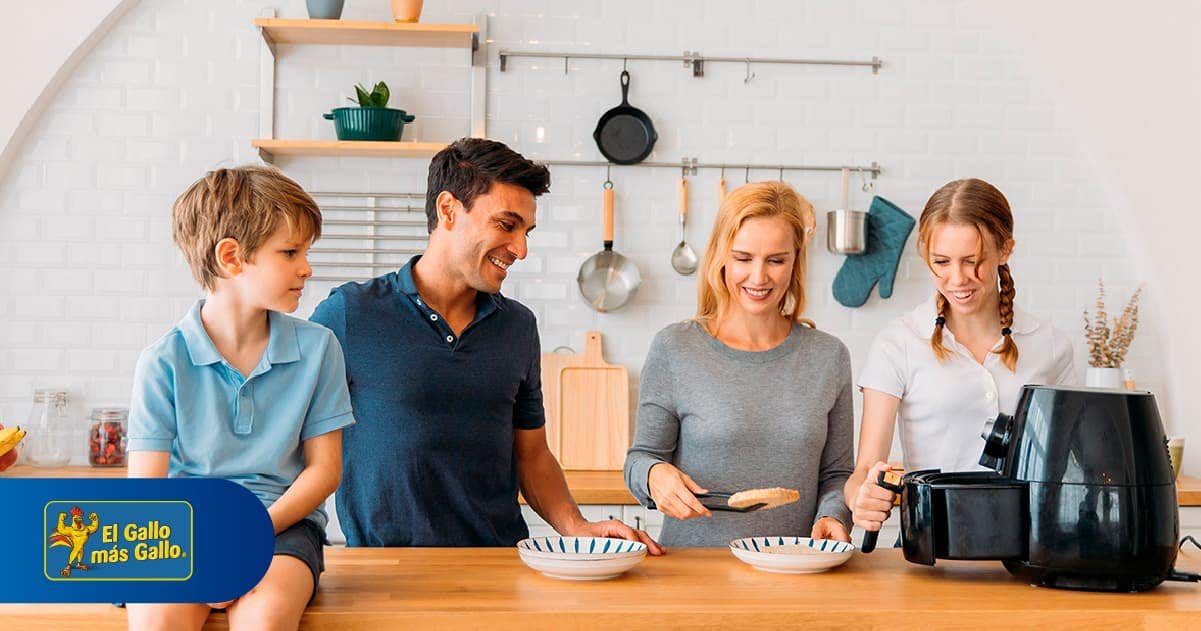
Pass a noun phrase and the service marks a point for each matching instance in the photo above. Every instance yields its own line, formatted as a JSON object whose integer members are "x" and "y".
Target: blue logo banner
{"x": 131, "y": 540}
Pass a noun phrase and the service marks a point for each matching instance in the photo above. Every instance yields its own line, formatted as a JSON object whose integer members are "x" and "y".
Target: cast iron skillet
{"x": 625, "y": 134}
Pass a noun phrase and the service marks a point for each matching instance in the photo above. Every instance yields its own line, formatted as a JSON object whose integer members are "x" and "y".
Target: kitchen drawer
{"x": 1190, "y": 521}
{"x": 643, "y": 518}
{"x": 591, "y": 513}
{"x": 888, "y": 532}
{"x": 598, "y": 512}
{"x": 333, "y": 531}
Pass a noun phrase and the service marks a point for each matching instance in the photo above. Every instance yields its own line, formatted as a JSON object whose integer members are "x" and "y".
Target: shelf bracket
{"x": 266, "y": 83}
{"x": 479, "y": 78}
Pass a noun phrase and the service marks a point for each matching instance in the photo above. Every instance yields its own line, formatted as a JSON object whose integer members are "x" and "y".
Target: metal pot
{"x": 846, "y": 231}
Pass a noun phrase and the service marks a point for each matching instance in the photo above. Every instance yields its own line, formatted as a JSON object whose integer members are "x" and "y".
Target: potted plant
{"x": 1107, "y": 346}
{"x": 372, "y": 119}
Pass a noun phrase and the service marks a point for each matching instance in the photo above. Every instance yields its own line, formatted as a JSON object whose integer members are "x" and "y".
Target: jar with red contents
{"x": 106, "y": 437}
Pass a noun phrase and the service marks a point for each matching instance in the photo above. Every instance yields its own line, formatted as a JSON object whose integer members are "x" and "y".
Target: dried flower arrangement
{"x": 1107, "y": 347}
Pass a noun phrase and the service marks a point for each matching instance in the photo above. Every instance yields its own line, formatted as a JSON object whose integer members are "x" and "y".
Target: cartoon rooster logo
{"x": 74, "y": 536}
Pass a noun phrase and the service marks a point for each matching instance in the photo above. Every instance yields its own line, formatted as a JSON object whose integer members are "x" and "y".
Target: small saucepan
{"x": 608, "y": 280}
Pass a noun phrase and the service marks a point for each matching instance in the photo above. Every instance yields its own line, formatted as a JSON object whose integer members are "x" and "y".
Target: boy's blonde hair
{"x": 757, "y": 199}
{"x": 245, "y": 204}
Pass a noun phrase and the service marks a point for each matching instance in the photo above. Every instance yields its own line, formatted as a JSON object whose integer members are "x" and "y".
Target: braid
{"x": 1009, "y": 349}
{"x": 940, "y": 351}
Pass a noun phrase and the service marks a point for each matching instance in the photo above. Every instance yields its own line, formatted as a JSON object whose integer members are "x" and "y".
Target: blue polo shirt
{"x": 187, "y": 400}
{"x": 430, "y": 461}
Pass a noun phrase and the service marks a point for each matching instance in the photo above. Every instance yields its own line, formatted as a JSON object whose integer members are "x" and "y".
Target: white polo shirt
{"x": 945, "y": 406}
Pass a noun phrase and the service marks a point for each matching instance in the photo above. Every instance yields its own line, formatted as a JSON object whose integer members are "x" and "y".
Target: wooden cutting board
{"x": 587, "y": 405}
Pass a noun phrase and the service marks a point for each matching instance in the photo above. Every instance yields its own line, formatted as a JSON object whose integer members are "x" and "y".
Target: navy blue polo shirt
{"x": 430, "y": 461}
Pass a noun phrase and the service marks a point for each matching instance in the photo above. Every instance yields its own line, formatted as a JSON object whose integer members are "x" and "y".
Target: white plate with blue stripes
{"x": 580, "y": 558}
{"x": 791, "y": 555}
{"x": 581, "y": 548}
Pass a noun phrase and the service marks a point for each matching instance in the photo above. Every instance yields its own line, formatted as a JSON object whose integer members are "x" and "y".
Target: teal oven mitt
{"x": 888, "y": 229}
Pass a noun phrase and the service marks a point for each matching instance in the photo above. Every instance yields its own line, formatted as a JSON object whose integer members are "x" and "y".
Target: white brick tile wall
{"x": 89, "y": 276}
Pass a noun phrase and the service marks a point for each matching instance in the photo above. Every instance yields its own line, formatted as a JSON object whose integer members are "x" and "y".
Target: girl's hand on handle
{"x": 674, "y": 492}
{"x": 873, "y": 503}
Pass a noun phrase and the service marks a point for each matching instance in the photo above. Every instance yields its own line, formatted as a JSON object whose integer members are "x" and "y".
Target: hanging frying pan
{"x": 625, "y": 134}
{"x": 607, "y": 279}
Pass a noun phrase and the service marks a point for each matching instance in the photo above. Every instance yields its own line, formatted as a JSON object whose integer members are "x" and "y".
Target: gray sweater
{"x": 736, "y": 420}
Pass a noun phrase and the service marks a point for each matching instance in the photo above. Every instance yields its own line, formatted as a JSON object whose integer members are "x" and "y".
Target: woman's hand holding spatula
{"x": 674, "y": 492}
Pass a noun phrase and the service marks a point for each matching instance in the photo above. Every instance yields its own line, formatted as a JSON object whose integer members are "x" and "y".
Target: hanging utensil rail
{"x": 691, "y": 165}
{"x": 692, "y": 59}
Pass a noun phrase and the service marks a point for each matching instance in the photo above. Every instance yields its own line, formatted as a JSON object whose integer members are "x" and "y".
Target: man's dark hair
{"x": 469, "y": 166}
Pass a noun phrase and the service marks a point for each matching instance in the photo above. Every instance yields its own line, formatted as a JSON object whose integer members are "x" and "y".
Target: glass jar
{"x": 106, "y": 437}
{"x": 48, "y": 443}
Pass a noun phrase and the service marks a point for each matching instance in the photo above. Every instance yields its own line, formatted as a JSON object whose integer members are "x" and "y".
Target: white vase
{"x": 1103, "y": 377}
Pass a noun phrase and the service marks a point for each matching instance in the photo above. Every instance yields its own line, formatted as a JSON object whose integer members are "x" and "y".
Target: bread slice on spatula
{"x": 770, "y": 498}
{"x": 747, "y": 501}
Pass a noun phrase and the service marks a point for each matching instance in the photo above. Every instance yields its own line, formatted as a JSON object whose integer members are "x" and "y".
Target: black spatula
{"x": 720, "y": 501}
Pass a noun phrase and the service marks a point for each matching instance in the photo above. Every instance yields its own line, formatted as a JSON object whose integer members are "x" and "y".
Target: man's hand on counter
{"x": 615, "y": 528}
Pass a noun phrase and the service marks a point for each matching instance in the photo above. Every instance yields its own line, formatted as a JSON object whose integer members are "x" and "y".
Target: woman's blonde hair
{"x": 757, "y": 199}
{"x": 246, "y": 204}
{"x": 977, "y": 204}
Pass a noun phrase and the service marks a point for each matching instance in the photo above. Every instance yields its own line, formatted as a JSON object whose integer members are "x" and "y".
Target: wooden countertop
{"x": 588, "y": 487}
{"x": 447, "y": 588}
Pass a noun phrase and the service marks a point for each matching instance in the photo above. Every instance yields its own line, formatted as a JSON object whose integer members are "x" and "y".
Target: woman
{"x": 745, "y": 395}
{"x": 952, "y": 364}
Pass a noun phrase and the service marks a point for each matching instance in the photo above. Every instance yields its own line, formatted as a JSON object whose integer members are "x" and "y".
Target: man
{"x": 444, "y": 375}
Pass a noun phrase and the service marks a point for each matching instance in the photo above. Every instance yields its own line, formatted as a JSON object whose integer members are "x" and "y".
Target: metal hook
{"x": 747, "y": 177}
{"x": 868, "y": 186}
{"x": 781, "y": 174}
{"x": 749, "y": 75}
{"x": 723, "y": 173}
{"x": 608, "y": 175}
{"x": 565, "y": 59}
{"x": 624, "y": 63}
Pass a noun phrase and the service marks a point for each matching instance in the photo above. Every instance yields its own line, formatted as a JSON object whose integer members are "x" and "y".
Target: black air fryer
{"x": 1082, "y": 496}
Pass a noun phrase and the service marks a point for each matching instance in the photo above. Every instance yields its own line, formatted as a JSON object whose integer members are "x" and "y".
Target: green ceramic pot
{"x": 368, "y": 123}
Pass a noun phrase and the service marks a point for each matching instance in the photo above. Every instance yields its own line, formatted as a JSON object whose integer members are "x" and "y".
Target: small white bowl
{"x": 580, "y": 558}
{"x": 791, "y": 555}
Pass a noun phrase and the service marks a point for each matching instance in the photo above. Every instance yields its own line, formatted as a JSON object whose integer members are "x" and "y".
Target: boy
{"x": 240, "y": 391}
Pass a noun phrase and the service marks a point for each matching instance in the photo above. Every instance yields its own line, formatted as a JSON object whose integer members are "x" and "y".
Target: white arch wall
{"x": 1131, "y": 80}
{"x": 89, "y": 276}
{"x": 42, "y": 43}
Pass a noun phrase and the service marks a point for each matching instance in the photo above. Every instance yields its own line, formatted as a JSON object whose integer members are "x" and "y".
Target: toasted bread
{"x": 770, "y": 498}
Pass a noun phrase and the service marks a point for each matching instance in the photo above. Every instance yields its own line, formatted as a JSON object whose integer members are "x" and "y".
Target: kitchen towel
{"x": 888, "y": 229}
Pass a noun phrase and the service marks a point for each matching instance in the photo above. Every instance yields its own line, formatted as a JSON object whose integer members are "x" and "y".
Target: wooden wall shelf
{"x": 361, "y": 33}
{"x": 269, "y": 148}
{"x": 470, "y": 37}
